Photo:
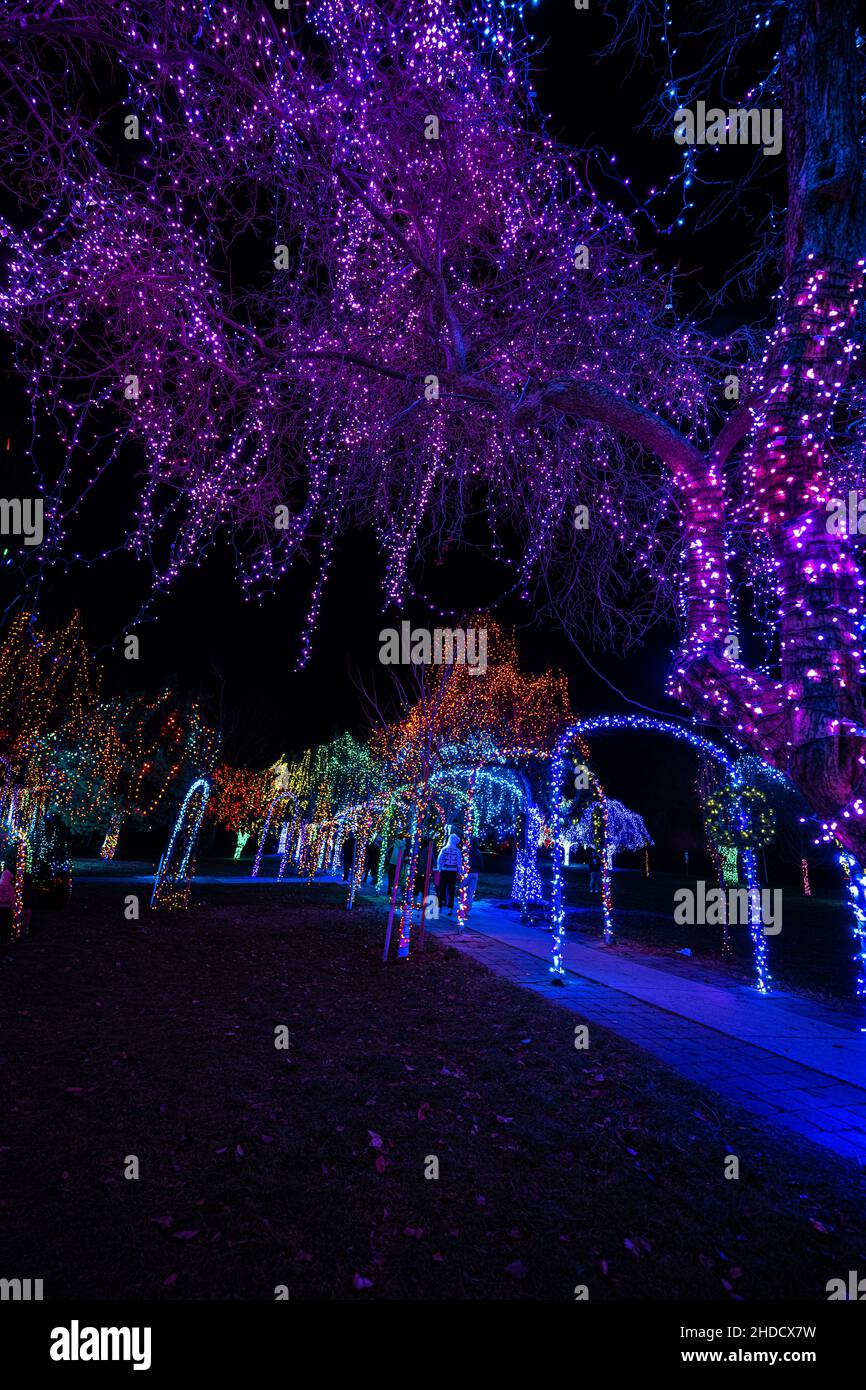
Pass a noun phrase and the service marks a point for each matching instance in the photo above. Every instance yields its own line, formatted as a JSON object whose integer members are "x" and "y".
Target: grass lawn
{"x": 812, "y": 953}
{"x": 260, "y": 1168}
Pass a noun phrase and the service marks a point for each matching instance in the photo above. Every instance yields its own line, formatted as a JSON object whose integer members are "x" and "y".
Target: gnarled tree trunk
{"x": 811, "y": 722}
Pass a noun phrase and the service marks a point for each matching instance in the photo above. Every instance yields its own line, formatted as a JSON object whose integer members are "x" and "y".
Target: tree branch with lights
{"x": 344, "y": 276}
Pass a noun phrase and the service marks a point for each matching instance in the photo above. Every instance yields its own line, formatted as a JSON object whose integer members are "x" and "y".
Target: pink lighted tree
{"x": 323, "y": 267}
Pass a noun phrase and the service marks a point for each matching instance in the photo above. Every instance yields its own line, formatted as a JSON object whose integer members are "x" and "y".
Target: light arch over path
{"x": 639, "y": 723}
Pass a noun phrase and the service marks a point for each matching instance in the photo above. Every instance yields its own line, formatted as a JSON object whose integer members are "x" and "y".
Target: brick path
{"x": 784, "y": 1059}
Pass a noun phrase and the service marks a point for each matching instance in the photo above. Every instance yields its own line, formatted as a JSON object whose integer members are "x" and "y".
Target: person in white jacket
{"x": 449, "y": 864}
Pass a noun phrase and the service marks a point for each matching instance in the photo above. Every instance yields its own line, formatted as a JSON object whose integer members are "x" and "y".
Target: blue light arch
{"x": 639, "y": 723}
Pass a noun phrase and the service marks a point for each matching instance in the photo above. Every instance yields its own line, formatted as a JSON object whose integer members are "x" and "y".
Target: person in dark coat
{"x": 348, "y": 853}
{"x": 449, "y": 864}
{"x": 371, "y": 861}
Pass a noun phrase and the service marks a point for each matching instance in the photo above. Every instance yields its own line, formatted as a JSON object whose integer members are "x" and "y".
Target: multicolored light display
{"x": 423, "y": 344}
{"x": 576, "y": 734}
{"x": 173, "y": 878}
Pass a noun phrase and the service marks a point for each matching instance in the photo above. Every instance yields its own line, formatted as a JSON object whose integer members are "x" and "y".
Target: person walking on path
{"x": 348, "y": 854}
{"x": 449, "y": 864}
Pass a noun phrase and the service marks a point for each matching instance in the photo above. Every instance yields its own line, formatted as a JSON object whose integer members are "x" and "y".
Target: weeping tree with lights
{"x": 240, "y": 798}
{"x": 612, "y": 832}
{"x": 95, "y": 761}
{"x": 170, "y": 742}
{"x": 85, "y": 786}
{"x": 458, "y": 717}
{"x": 58, "y": 753}
{"x": 453, "y": 721}
{"x": 448, "y": 705}
{"x": 352, "y": 770}
{"x": 438, "y": 314}
{"x": 48, "y": 693}
{"x": 128, "y": 763}
{"x": 49, "y": 690}
{"x": 349, "y": 778}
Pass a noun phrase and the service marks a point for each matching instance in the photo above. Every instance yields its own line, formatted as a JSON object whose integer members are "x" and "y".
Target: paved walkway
{"x": 783, "y": 1058}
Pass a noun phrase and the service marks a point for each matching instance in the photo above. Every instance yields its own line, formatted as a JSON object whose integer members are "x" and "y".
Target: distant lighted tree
{"x": 241, "y": 796}
{"x": 622, "y": 829}
{"x": 48, "y": 687}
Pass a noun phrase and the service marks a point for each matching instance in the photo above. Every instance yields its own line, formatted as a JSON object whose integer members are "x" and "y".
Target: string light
{"x": 855, "y": 880}
{"x": 173, "y": 878}
{"x": 249, "y": 396}
{"x": 578, "y": 732}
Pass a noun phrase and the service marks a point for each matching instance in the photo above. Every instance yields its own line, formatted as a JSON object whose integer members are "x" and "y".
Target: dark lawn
{"x": 258, "y": 1168}
{"x": 812, "y": 953}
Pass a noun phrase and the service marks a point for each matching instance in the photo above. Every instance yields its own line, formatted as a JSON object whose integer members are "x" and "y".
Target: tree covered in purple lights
{"x": 305, "y": 269}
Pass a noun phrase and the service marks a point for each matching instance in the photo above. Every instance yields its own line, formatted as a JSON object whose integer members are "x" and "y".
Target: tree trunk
{"x": 805, "y": 723}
